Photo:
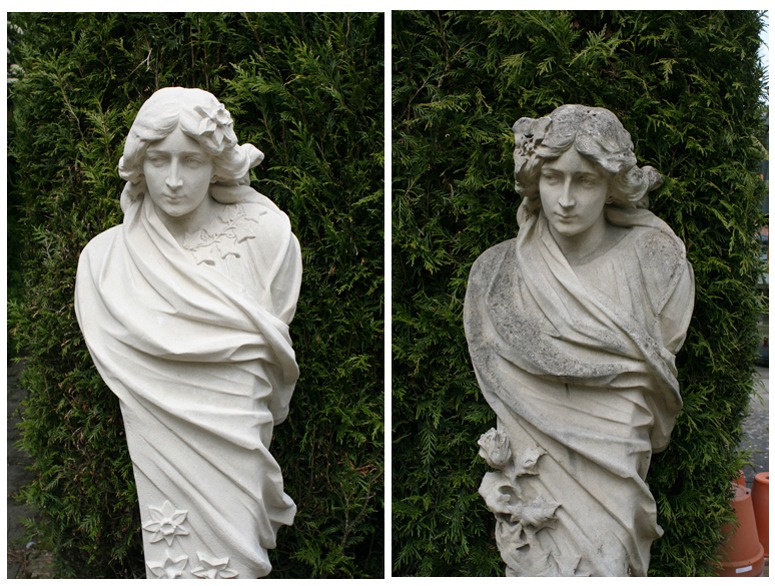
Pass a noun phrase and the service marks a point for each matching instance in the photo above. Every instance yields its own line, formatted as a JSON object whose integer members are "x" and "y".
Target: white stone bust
{"x": 573, "y": 328}
{"x": 185, "y": 309}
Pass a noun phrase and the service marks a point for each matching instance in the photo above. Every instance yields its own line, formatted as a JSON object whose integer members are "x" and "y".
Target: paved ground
{"x": 757, "y": 428}
{"x": 757, "y": 434}
{"x": 26, "y": 560}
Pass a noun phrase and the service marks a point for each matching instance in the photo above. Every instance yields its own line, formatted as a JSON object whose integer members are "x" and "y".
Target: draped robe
{"x": 578, "y": 363}
{"x": 194, "y": 341}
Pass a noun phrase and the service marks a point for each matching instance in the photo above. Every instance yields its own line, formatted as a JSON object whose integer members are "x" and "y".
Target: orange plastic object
{"x": 743, "y": 555}
{"x": 760, "y": 495}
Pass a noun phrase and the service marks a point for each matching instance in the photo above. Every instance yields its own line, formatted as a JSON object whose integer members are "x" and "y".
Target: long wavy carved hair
{"x": 596, "y": 133}
{"x": 200, "y": 116}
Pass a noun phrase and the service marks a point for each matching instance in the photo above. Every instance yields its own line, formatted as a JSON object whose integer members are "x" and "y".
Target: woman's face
{"x": 573, "y": 191}
{"x": 178, "y": 173}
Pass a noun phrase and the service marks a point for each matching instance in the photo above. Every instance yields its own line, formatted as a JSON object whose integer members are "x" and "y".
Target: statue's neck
{"x": 190, "y": 223}
{"x": 586, "y": 246}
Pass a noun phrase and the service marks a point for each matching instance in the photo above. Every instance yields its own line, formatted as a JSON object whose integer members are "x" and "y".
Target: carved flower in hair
{"x": 529, "y": 133}
{"x": 216, "y": 123}
{"x": 495, "y": 449}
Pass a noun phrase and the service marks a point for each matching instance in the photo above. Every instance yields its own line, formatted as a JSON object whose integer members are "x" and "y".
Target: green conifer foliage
{"x": 307, "y": 89}
{"x": 688, "y": 86}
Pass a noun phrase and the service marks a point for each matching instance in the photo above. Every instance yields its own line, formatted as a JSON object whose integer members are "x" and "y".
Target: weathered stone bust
{"x": 185, "y": 310}
{"x": 573, "y": 328}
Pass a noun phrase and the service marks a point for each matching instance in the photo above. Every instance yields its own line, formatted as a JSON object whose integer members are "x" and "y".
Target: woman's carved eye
{"x": 193, "y": 161}
{"x": 550, "y": 178}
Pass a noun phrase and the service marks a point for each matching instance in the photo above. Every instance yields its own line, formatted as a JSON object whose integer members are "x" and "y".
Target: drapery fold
{"x": 203, "y": 366}
{"x": 583, "y": 373}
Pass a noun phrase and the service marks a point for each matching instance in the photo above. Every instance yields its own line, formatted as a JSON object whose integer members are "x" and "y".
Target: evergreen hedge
{"x": 688, "y": 86}
{"x": 307, "y": 90}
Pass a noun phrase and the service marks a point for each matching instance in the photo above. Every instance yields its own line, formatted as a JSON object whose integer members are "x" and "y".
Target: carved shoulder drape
{"x": 578, "y": 363}
{"x": 194, "y": 341}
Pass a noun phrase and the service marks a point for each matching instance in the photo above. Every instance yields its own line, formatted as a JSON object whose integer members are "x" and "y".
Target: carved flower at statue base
{"x": 520, "y": 514}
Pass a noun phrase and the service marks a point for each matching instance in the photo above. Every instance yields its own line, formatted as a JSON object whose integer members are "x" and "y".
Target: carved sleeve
{"x": 287, "y": 280}
{"x": 670, "y": 280}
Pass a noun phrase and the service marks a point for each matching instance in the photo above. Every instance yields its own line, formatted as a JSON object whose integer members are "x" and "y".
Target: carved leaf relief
{"x": 526, "y": 461}
{"x": 538, "y": 513}
{"x": 221, "y": 239}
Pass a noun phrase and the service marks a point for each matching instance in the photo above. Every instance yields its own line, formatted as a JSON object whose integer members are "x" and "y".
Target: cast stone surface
{"x": 185, "y": 309}
{"x": 573, "y": 328}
